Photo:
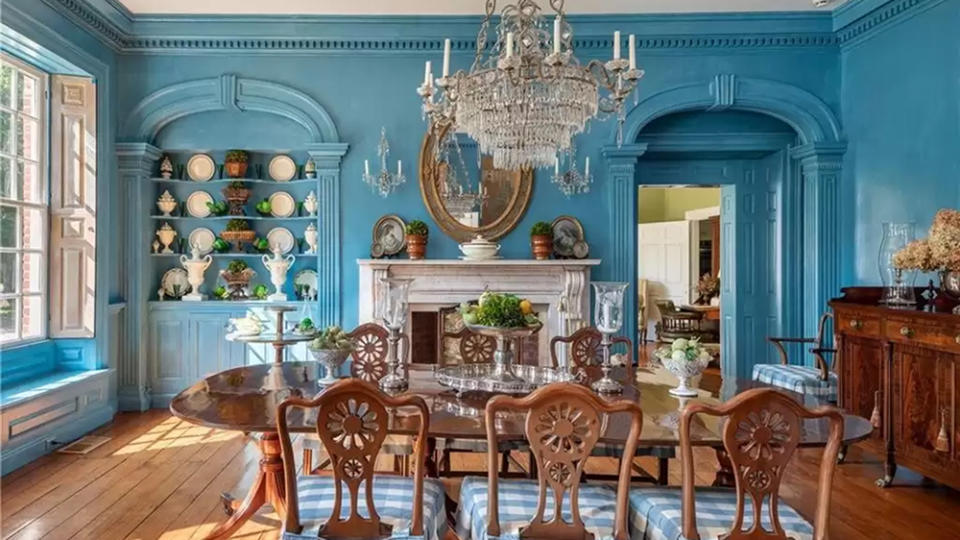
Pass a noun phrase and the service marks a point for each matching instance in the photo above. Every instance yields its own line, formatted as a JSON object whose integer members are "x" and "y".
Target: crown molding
{"x": 860, "y": 20}
{"x": 126, "y": 32}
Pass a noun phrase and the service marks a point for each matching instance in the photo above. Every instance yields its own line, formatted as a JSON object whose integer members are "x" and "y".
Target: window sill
{"x": 15, "y": 345}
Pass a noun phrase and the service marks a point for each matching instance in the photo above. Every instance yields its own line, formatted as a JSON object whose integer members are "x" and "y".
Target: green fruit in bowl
{"x": 220, "y": 245}
{"x": 262, "y": 244}
{"x": 264, "y": 207}
{"x": 260, "y": 291}
{"x": 470, "y": 317}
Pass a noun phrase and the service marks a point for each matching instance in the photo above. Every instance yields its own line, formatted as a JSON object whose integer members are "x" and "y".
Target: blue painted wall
{"x": 901, "y": 113}
{"x": 366, "y": 90}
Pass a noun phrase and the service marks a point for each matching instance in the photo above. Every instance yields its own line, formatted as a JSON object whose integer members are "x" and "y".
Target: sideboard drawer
{"x": 856, "y": 324}
{"x": 915, "y": 332}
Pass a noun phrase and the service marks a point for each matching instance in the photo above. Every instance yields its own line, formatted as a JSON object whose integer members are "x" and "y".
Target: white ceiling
{"x": 451, "y": 7}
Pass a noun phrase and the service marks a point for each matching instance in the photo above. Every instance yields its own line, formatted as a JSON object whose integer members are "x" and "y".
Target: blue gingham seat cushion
{"x": 655, "y": 515}
{"x": 392, "y": 498}
{"x": 517, "y": 504}
{"x": 801, "y": 379}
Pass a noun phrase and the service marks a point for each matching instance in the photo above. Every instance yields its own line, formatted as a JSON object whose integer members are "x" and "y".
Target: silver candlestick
{"x": 393, "y": 305}
{"x": 608, "y": 314}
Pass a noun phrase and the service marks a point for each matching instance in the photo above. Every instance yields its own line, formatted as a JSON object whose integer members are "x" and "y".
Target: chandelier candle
{"x": 526, "y": 95}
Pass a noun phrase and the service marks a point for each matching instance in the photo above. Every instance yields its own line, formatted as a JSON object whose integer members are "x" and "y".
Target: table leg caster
{"x": 884, "y": 482}
{"x": 229, "y": 503}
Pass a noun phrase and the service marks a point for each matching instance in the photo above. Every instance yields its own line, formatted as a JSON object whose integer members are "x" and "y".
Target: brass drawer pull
{"x": 856, "y": 324}
{"x": 906, "y": 331}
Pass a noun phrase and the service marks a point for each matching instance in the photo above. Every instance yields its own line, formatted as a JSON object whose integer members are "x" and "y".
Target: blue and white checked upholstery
{"x": 801, "y": 379}
{"x": 392, "y": 498}
{"x": 655, "y": 515}
{"x": 518, "y": 503}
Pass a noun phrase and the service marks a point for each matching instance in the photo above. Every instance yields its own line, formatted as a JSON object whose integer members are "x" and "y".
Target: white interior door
{"x": 664, "y": 261}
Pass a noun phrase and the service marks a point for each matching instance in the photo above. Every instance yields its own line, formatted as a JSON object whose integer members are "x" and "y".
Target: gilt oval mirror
{"x": 464, "y": 194}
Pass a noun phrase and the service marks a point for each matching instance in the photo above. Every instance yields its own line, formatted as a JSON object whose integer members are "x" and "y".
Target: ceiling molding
{"x": 125, "y": 32}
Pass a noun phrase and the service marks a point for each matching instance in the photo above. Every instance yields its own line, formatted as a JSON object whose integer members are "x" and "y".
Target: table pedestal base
{"x": 268, "y": 488}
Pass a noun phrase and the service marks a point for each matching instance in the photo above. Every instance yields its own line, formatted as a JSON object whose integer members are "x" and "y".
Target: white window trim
{"x": 44, "y": 173}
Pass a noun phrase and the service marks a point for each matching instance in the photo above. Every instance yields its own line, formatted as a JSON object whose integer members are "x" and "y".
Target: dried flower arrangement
{"x": 939, "y": 252}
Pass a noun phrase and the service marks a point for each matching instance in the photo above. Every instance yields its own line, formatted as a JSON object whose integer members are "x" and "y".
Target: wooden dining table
{"x": 246, "y": 398}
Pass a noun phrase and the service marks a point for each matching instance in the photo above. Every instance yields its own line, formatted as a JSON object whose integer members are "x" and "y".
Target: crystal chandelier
{"x": 525, "y": 98}
{"x": 572, "y": 182}
{"x": 384, "y": 182}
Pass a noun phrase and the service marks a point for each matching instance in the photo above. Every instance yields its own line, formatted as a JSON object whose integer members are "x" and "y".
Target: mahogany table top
{"x": 243, "y": 399}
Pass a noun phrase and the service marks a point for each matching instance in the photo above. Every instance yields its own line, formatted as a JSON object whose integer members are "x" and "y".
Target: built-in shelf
{"x": 233, "y": 255}
{"x": 228, "y": 218}
{"x": 229, "y": 180}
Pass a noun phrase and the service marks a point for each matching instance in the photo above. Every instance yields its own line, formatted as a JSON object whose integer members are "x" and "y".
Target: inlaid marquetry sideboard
{"x": 901, "y": 368}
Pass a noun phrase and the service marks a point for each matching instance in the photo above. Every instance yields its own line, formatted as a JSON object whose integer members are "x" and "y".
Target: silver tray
{"x": 490, "y": 378}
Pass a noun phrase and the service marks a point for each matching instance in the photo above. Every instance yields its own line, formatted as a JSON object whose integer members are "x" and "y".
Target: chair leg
{"x": 504, "y": 462}
{"x": 307, "y": 461}
{"x": 445, "y": 462}
{"x": 398, "y": 465}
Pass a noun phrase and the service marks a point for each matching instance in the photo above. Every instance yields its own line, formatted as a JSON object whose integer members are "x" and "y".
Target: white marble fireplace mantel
{"x": 559, "y": 289}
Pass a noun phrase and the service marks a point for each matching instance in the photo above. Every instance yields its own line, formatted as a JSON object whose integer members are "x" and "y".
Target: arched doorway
{"x": 801, "y": 158}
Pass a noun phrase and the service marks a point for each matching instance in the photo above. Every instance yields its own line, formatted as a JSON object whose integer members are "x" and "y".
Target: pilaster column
{"x": 327, "y": 157}
{"x": 820, "y": 165}
{"x": 621, "y": 263}
{"x": 136, "y": 163}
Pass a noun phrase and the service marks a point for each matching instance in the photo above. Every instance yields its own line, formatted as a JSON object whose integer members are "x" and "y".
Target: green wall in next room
{"x": 670, "y": 204}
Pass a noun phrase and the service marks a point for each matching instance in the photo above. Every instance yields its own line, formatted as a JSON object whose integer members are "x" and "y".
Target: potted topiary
{"x": 236, "y": 194}
{"x": 541, "y": 240}
{"x": 238, "y": 232}
{"x": 235, "y": 164}
{"x": 237, "y": 275}
{"x": 417, "y": 239}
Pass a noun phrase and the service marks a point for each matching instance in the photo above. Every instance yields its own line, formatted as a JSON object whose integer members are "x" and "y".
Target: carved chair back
{"x": 762, "y": 430}
{"x": 584, "y": 349}
{"x": 563, "y": 423}
{"x": 352, "y": 425}
{"x": 471, "y": 348}
{"x": 369, "y": 359}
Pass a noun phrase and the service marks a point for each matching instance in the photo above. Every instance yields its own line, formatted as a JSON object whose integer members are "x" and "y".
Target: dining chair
{"x": 584, "y": 351}
{"x": 352, "y": 425}
{"x": 761, "y": 432}
{"x": 368, "y": 362}
{"x": 677, "y": 322}
{"x": 563, "y": 422}
{"x": 468, "y": 348}
{"x": 819, "y": 381}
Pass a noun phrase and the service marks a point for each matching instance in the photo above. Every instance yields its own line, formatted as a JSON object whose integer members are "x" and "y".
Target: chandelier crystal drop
{"x": 527, "y": 96}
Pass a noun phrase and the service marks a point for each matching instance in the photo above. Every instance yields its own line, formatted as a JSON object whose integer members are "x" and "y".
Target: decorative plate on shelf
{"x": 282, "y": 204}
{"x": 581, "y": 249}
{"x": 197, "y": 204}
{"x": 567, "y": 231}
{"x": 282, "y": 168}
{"x": 282, "y": 238}
{"x": 388, "y": 231}
{"x": 174, "y": 283}
{"x": 376, "y": 250}
{"x": 203, "y": 238}
{"x": 201, "y": 167}
{"x": 306, "y": 278}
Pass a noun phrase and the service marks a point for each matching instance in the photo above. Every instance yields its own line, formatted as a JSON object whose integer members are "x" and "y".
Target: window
{"x": 23, "y": 202}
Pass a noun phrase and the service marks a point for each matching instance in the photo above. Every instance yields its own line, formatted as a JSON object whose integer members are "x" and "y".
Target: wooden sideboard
{"x": 901, "y": 368}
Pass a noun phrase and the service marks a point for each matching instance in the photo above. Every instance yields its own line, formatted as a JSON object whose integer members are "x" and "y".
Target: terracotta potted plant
{"x": 235, "y": 163}
{"x": 237, "y": 275}
{"x": 541, "y": 240}
{"x": 238, "y": 232}
{"x": 417, "y": 239}
{"x": 237, "y": 193}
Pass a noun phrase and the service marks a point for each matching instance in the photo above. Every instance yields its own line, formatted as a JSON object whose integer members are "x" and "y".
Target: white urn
{"x": 278, "y": 266}
{"x": 310, "y": 235}
{"x": 195, "y": 267}
{"x": 166, "y": 203}
{"x": 166, "y": 234}
{"x": 310, "y": 204}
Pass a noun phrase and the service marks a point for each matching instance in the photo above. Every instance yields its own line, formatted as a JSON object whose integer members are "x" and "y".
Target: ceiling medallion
{"x": 527, "y": 96}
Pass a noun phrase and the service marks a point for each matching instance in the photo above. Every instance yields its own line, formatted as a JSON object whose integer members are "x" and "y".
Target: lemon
{"x": 526, "y": 307}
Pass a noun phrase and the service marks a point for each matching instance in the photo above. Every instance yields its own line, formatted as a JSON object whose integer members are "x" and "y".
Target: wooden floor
{"x": 159, "y": 477}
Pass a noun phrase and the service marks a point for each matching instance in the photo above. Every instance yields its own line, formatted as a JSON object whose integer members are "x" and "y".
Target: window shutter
{"x": 73, "y": 205}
